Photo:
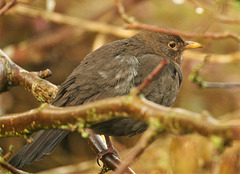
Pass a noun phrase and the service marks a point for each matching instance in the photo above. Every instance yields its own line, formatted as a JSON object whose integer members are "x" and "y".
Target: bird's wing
{"x": 162, "y": 90}
{"x": 92, "y": 80}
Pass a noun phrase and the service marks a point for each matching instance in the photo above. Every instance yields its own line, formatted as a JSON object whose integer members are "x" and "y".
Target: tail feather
{"x": 44, "y": 143}
{"x": 120, "y": 127}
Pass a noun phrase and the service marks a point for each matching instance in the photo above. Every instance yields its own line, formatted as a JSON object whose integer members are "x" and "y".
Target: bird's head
{"x": 167, "y": 45}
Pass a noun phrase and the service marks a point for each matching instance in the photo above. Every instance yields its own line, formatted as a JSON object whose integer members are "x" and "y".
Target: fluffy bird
{"x": 112, "y": 70}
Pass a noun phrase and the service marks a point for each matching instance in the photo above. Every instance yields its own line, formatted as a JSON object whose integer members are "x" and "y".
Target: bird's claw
{"x": 110, "y": 150}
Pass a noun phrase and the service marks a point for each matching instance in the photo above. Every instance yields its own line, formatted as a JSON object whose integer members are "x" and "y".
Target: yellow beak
{"x": 191, "y": 45}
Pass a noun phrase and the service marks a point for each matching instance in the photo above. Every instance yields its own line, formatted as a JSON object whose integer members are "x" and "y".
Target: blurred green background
{"x": 35, "y": 44}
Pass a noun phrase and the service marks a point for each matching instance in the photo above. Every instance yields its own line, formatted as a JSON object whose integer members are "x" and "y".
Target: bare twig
{"x": 147, "y": 138}
{"x": 121, "y": 11}
{"x": 11, "y": 168}
{"x": 221, "y": 18}
{"x": 210, "y": 35}
{"x": 8, "y": 154}
{"x": 7, "y": 7}
{"x": 151, "y": 76}
{"x": 72, "y": 21}
{"x": 197, "y": 79}
{"x": 6, "y": 165}
{"x": 132, "y": 24}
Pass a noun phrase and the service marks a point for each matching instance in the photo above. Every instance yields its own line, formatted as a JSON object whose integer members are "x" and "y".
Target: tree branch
{"x": 13, "y": 75}
{"x": 72, "y": 21}
{"x": 133, "y": 24}
{"x": 7, "y": 7}
{"x": 168, "y": 119}
{"x": 198, "y": 80}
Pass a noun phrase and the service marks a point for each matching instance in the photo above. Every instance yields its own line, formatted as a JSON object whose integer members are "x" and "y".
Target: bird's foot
{"x": 110, "y": 150}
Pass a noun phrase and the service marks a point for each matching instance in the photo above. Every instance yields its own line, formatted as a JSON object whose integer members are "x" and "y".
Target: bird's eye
{"x": 172, "y": 44}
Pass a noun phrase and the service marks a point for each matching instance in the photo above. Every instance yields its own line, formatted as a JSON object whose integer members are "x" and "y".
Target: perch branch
{"x": 168, "y": 119}
{"x": 98, "y": 146}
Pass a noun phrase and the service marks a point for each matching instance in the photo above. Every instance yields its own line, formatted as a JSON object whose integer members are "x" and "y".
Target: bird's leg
{"x": 110, "y": 149}
{"x": 110, "y": 145}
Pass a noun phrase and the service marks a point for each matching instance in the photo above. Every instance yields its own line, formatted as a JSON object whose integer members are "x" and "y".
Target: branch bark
{"x": 14, "y": 75}
{"x": 168, "y": 119}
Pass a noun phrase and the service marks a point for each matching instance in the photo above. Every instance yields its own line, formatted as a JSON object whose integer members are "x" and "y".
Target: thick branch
{"x": 168, "y": 119}
{"x": 13, "y": 75}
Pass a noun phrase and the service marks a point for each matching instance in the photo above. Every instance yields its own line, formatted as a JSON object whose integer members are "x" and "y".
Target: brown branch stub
{"x": 7, "y": 7}
{"x": 13, "y": 75}
{"x": 43, "y": 74}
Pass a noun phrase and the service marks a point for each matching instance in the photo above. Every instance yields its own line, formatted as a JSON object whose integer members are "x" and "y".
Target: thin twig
{"x": 132, "y": 24}
{"x": 11, "y": 168}
{"x": 88, "y": 25}
{"x": 7, "y": 7}
{"x": 146, "y": 139}
{"x": 198, "y": 80}
{"x": 6, "y": 165}
{"x": 151, "y": 76}
{"x": 210, "y": 35}
{"x": 121, "y": 11}
{"x": 8, "y": 154}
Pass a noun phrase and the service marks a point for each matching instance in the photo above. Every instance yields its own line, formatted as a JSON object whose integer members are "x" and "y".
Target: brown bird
{"x": 112, "y": 70}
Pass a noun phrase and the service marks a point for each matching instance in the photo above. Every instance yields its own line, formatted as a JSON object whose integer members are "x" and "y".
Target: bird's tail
{"x": 43, "y": 144}
{"x": 120, "y": 127}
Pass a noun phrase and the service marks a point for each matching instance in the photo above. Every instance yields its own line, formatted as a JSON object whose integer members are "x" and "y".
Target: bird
{"x": 112, "y": 70}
